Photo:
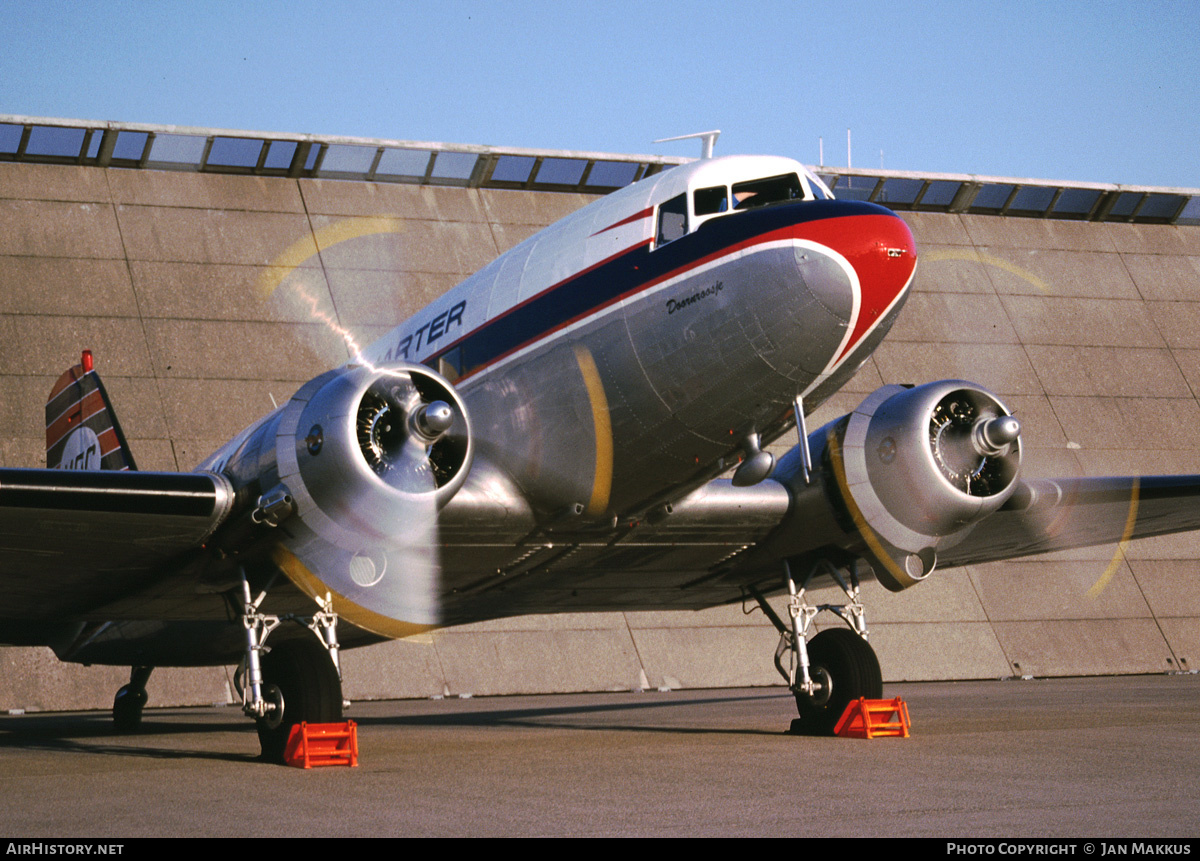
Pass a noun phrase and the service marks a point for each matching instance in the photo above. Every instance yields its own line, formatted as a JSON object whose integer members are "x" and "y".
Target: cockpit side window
{"x": 709, "y": 201}
{"x": 672, "y": 220}
{"x": 819, "y": 189}
{"x": 763, "y": 192}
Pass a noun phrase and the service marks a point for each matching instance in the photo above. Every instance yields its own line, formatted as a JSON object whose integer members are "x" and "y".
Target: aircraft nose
{"x": 897, "y": 243}
{"x": 879, "y": 244}
{"x": 890, "y": 262}
{"x": 880, "y": 247}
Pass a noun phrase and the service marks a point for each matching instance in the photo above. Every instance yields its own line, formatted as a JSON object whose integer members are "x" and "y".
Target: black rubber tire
{"x": 312, "y": 691}
{"x": 127, "y": 708}
{"x": 854, "y": 670}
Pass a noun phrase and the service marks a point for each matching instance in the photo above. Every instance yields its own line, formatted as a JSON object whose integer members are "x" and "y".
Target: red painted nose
{"x": 882, "y": 251}
{"x": 885, "y": 265}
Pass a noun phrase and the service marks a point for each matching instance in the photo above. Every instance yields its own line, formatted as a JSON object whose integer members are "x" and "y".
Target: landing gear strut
{"x": 130, "y": 700}
{"x": 298, "y": 680}
{"x": 836, "y": 666}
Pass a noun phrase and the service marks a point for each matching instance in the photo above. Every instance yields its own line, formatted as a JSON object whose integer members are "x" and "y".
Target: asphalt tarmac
{"x": 1110, "y": 757}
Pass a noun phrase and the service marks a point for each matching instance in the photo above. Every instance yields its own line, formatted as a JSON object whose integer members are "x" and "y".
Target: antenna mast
{"x": 707, "y": 140}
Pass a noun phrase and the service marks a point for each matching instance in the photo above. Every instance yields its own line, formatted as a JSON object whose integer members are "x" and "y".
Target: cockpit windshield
{"x": 675, "y": 219}
{"x": 763, "y": 192}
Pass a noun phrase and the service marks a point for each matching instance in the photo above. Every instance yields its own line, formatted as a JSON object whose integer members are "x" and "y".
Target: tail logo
{"x": 82, "y": 450}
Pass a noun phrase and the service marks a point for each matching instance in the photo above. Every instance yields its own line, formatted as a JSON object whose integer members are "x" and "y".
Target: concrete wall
{"x": 204, "y": 297}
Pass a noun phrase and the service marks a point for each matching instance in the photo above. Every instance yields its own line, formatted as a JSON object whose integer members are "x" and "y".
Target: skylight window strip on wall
{"x": 1032, "y": 198}
{"x": 130, "y": 145}
{"x": 1160, "y": 207}
{"x": 899, "y": 190}
{"x": 612, "y": 174}
{"x": 1191, "y": 211}
{"x": 940, "y": 193}
{"x": 403, "y": 162}
{"x": 177, "y": 149}
{"x": 347, "y": 159}
{"x": 1127, "y": 204}
{"x": 992, "y": 196}
{"x": 235, "y": 152}
{"x": 10, "y": 137}
{"x": 856, "y": 187}
{"x": 1076, "y": 201}
{"x": 454, "y": 165}
{"x": 513, "y": 168}
{"x": 560, "y": 171}
{"x": 279, "y": 156}
{"x": 167, "y": 147}
{"x": 55, "y": 141}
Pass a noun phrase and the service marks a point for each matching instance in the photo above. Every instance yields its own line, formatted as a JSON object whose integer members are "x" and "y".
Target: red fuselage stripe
{"x": 637, "y": 216}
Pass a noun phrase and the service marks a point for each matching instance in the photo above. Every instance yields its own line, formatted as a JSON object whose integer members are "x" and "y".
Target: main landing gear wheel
{"x": 130, "y": 700}
{"x": 846, "y": 667}
{"x": 300, "y": 676}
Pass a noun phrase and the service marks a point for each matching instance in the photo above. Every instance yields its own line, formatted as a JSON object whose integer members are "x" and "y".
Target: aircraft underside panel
{"x": 498, "y": 563}
{"x": 669, "y": 560}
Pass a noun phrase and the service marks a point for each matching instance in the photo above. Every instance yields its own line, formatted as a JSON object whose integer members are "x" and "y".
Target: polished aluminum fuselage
{"x": 605, "y": 370}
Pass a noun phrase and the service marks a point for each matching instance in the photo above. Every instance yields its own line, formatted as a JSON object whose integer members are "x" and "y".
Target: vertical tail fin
{"x": 82, "y": 431}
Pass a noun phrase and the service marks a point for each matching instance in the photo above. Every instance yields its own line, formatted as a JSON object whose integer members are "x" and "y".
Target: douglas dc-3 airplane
{"x": 547, "y": 437}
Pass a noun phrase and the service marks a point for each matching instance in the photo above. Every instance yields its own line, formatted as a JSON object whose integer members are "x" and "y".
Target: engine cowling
{"x": 355, "y": 467}
{"x": 363, "y": 443}
{"x": 910, "y": 471}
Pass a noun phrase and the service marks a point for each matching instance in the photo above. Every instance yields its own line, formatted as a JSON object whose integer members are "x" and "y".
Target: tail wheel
{"x": 308, "y": 685}
{"x": 846, "y": 663}
{"x": 127, "y": 708}
{"x": 130, "y": 700}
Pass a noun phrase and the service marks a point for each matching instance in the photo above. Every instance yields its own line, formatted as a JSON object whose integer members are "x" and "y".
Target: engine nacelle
{"x": 354, "y": 468}
{"x": 910, "y": 471}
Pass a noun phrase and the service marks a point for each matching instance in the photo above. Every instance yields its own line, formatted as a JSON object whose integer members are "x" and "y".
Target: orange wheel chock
{"x": 865, "y": 718}
{"x": 311, "y": 745}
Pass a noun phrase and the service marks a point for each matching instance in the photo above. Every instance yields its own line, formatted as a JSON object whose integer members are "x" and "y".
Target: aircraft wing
{"x": 71, "y": 540}
{"x": 1042, "y": 516}
{"x": 1057, "y": 514}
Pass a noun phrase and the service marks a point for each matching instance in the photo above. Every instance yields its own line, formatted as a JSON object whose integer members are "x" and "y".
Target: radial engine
{"x": 908, "y": 473}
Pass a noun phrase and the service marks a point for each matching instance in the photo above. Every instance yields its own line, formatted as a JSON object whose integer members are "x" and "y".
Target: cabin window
{"x": 763, "y": 192}
{"x": 709, "y": 201}
{"x": 672, "y": 220}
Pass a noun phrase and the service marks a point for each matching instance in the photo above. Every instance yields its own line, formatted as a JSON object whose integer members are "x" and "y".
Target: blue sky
{"x": 1096, "y": 91}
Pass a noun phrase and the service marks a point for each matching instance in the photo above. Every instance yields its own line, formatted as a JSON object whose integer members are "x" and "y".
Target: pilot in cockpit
{"x": 741, "y": 198}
